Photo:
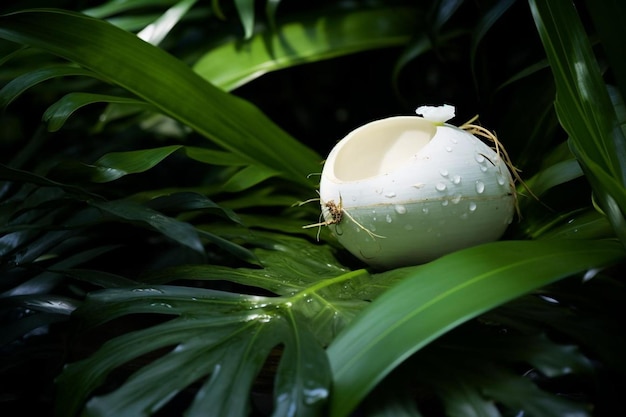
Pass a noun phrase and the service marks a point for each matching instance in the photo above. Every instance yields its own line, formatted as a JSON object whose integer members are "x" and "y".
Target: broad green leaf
{"x": 218, "y": 339}
{"x": 227, "y": 120}
{"x": 57, "y": 114}
{"x": 438, "y": 296}
{"x": 308, "y": 40}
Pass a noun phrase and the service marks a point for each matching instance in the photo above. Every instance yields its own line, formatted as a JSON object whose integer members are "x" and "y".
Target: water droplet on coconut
{"x": 443, "y": 172}
{"x": 472, "y": 206}
{"x": 453, "y": 140}
{"x": 444, "y": 203}
{"x": 500, "y": 179}
{"x": 390, "y": 194}
{"x": 449, "y": 148}
{"x": 480, "y": 187}
{"x": 440, "y": 186}
{"x": 425, "y": 210}
{"x": 483, "y": 168}
{"x": 479, "y": 158}
{"x": 456, "y": 179}
{"x": 388, "y": 218}
{"x": 456, "y": 199}
{"x": 400, "y": 209}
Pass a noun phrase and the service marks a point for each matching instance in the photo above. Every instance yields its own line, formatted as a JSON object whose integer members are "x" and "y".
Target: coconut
{"x": 407, "y": 189}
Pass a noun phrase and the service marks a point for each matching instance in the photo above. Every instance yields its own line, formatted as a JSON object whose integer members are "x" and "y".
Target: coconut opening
{"x": 380, "y": 147}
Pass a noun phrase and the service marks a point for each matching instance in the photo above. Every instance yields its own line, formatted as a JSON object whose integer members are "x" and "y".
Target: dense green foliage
{"x": 156, "y": 158}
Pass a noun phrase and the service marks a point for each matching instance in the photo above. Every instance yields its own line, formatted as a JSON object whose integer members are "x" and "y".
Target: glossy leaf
{"x": 156, "y": 31}
{"x": 339, "y": 33}
{"x": 584, "y": 107}
{"x": 229, "y": 121}
{"x": 438, "y": 296}
{"x": 115, "y": 165}
{"x": 227, "y": 336}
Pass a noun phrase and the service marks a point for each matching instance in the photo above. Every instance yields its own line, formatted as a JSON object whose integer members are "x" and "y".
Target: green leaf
{"x": 248, "y": 177}
{"x": 219, "y": 340}
{"x": 307, "y": 40}
{"x": 121, "y": 57}
{"x": 18, "y": 85}
{"x": 554, "y": 175}
{"x": 245, "y": 9}
{"x": 522, "y": 394}
{"x": 155, "y": 32}
{"x": 182, "y": 232}
{"x": 113, "y": 7}
{"x": 606, "y": 16}
{"x": 57, "y": 114}
{"x": 439, "y": 296}
{"x": 115, "y": 165}
{"x": 190, "y": 201}
{"x": 584, "y": 107}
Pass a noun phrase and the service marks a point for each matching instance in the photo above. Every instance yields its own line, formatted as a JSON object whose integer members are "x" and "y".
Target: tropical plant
{"x": 152, "y": 251}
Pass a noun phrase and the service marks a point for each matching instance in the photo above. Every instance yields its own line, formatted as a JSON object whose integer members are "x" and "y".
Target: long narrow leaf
{"x": 436, "y": 297}
{"x": 121, "y": 57}
{"x": 57, "y": 114}
{"x": 22, "y": 83}
{"x": 584, "y": 106}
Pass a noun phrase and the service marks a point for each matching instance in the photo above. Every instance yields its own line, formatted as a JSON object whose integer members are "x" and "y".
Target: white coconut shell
{"x": 409, "y": 190}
